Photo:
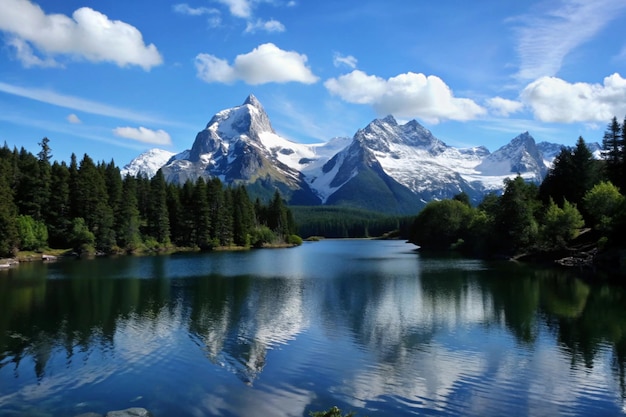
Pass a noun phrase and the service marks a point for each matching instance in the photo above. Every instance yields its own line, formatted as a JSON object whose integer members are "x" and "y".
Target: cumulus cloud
{"x": 349, "y": 60}
{"x": 405, "y": 95}
{"x": 88, "y": 34}
{"x": 27, "y": 56}
{"x": 555, "y": 100}
{"x": 72, "y": 118}
{"x": 239, "y": 8}
{"x": 265, "y": 26}
{"x": 504, "y": 107}
{"x": 265, "y": 64}
{"x": 547, "y": 37}
{"x": 144, "y": 135}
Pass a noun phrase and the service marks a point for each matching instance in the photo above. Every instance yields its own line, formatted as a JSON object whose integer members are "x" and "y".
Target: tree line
{"x": 579, "y": 193}
{"x": 89, "y": 207}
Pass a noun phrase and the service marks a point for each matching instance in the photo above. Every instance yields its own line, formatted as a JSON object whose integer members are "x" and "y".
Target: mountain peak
{"x": 253, "y": 101}
{"x": 390, "y": 120}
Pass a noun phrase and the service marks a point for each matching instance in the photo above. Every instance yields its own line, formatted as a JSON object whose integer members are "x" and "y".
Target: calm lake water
{"x": 368, "y": 326}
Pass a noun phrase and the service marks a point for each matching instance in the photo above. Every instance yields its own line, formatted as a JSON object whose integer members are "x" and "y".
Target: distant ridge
{"x": 385, "y": 167}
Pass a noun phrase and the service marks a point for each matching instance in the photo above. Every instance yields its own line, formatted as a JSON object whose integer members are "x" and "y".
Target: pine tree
{"x": 93, "y": 205}
{"x": 612, "y": 150}
{"x": 43, "y": 194}
{"x": 28, "y": 185}
{"x": 158, "y": 224}
{"x": 129, "y": 236}
{"x": 58, "y": 210}
{"x": 202, "y": 216}
{"x": 8, "y": 213}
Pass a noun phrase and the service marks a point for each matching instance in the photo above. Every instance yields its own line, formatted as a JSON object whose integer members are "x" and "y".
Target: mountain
{"x": 520, "y": 156}
{"x": 148, "y": 163}
{"x": 237, "y": 147}
{"x": 551, "y": 150}
{"x": 386, "y": 166}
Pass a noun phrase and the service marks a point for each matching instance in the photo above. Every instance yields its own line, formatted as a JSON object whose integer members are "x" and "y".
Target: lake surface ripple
{"x": 369, "y": 326}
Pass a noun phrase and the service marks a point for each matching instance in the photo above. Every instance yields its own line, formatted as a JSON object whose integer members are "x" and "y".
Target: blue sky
{"x": 115, "y": 78}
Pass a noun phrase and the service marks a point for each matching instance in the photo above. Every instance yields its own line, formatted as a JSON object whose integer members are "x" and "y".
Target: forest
{"x": 580, "y": 201}
{"x": 90, "y": 208}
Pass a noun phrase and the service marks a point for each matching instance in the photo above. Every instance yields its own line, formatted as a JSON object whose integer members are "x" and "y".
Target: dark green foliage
{"x": 343, "y": 222}
{"x": 128, "y": 222}
{"x": 57, "y": 215}
{"x": 89, "y": 208}
{"x": 574, "y": 172}
{"x": 8, "y": 212}
{"x": 613, "y": 149}
{"x": 515, "y": 220}
{"x": 158, "y": 222}
{"x": 441, "y": 224}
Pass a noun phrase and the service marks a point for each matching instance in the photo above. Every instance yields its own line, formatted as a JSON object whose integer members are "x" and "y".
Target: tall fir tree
{"x": 158, "y": 224}
{"x": 58, "y": 210}
{"x": 8, "y": 213}
{"x": 612, "y": 151}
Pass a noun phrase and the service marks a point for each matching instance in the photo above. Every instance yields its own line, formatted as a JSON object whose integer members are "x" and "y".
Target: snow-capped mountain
{"x": 239, "y": 145}
{"x": 148, "y": 163}
{"x": 385, "y": 166}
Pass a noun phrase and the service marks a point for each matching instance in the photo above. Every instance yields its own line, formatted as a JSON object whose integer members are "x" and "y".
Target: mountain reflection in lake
{"x": 369, "y": 326}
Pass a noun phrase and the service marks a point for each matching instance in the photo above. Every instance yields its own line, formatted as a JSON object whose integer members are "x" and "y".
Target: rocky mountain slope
{"x": 386, "y": 166}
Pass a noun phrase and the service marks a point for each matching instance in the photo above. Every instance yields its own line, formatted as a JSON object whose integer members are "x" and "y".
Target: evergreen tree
{"x": 158, "y": 224}
{"x": 186, "y": 228}
{"x": 612, "y": 151}
{"x": 129, "y": 236}
{"x": 42, "y": 197}
{"x": 58, "y": 209}
{"x": 8, "y": 213}
{"x": 202, "y": 217}
{"x": 515, "y": 221}
{"x": 175, "y": 213}
{"x": 28, "y": 185}
{"x": 93, "y": 205}
{"x": 243, "y": 216}
{"x": 113, "y": 182}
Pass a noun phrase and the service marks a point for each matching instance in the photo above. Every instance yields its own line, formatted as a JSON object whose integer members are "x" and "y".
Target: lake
{"x": 368, "y": 326}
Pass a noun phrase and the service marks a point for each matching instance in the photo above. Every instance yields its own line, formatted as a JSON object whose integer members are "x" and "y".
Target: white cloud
{"x": 238, "y": 8}
{"x": 184, "y": 8}
{"x": 215, "y": 19}
{"x": 265, "y": 25}
{"x": 72, "y": 118}
{"x": 75, "y": 103}
{"x": 27, "y": 57}
{"x": 555, "y": 100}
{"x": 144, "y": 135}
{"x": 88, "y": 34}
{"x": 405, "y": 95}
{"x": 504, "y": 107}
{"x": 265, "y": 64}
{"x": 546, "y": 38}
{"x": 349, "y": 60}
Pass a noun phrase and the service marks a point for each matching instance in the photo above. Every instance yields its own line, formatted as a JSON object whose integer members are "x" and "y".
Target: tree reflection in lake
{"x": 367, "y": 326}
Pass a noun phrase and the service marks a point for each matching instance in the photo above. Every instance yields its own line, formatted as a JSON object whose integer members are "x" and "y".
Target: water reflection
{"x": 372, "y": 327}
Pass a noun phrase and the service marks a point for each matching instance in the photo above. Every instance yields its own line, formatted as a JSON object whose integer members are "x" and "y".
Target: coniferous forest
{"x": 90, "y": 208}
{"x": 579, "y": 207}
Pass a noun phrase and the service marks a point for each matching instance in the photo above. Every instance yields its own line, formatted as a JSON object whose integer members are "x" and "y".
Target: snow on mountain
{"x": 384, "y": 165}
{"x": 520, "y": 156}
{"x": 148, "y": 163}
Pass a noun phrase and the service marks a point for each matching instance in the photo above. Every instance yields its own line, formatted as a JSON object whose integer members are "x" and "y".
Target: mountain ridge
{"x": 385, "y": 166}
